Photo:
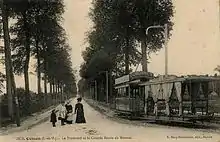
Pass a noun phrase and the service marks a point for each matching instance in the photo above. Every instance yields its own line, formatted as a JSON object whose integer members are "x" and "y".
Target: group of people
{"x": 66, "y": 114}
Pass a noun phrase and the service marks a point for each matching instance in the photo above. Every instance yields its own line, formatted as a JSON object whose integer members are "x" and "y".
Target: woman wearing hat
{"x": 79, "y": 112}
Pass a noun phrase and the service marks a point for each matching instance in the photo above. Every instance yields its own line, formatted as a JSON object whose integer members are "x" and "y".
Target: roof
{"x": 181, "y": 79}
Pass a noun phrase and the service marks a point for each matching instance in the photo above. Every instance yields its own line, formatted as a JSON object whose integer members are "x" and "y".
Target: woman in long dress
{"x": 80, "y": 118}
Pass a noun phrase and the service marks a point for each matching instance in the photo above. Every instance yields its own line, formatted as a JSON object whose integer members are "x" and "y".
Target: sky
{"x": 194, "y": 47}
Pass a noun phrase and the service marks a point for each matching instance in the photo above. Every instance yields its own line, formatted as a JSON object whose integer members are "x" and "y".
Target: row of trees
{"x": 119, "y": 28}
{"x": 36, "y": 33}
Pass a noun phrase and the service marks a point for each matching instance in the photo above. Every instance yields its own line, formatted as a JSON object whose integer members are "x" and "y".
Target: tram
{"x": 172, "y": 98}
{"x": 130, "y": 96}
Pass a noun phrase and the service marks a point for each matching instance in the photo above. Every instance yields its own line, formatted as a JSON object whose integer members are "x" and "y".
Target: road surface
{"x": 99, "y": 129}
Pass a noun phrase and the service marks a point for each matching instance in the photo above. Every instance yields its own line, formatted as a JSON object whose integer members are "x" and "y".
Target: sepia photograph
{"x": 109, "y": 70}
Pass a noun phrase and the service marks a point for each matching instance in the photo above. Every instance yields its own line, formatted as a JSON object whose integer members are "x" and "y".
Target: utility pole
{"x": 165, "y": 28}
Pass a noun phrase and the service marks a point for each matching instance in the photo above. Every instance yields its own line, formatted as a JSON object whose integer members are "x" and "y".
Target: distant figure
{"x": 53, "y": 118}
{"x": 62, "y": 114}
{"x": 79, "y": 112}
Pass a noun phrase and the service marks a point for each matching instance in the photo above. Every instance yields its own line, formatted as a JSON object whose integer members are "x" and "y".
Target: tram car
{"x": 172, "y": 98}
{"x": 130, "y": 98}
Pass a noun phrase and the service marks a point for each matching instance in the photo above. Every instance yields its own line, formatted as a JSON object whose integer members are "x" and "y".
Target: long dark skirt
{"x": 80, "y": 117}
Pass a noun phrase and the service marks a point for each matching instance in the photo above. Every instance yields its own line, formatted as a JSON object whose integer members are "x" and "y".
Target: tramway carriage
{"x": 178, "y": 98}
{"x": 130, "y": 96}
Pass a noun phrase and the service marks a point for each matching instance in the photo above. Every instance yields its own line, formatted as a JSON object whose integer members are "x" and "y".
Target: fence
{"x": 38, "y": 102}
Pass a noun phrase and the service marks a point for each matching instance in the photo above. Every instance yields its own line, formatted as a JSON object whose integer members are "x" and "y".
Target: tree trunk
{"x": 61, "y": 88}
{"x": 27, "y": 60}
{"x": 45, "y": 88}
{"x": 7, "y": 61}
{"x": 51, "y": 94}
{"x": 54, "y": 91}
{"x": 51, "y": 91}
{"x": 45, "y": 70}
{"x": 127, "y": 60}
{"x": 110, "y": 86}
{"x": 127, "y": 57}
{"x": 127, "y": 53}
{"x": 144, "y": 54}
{"x": 45, "y": 84}
{"x": 57, "y": 88}
{"x": 57, "y": 92}
{"x": 10, "y": 82}
{"x": 38, "y": 68}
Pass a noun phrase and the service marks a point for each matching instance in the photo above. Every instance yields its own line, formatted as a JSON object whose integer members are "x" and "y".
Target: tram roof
{"x": 126, "y": 84}
{"x": 182, "y": 79}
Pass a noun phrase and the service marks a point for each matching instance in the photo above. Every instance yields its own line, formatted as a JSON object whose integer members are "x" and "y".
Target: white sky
{"x": 193, "y": 48}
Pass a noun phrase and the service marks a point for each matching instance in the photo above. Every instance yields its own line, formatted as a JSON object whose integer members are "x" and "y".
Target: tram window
{"x": 134, "y": 93}
{"x": 125, "y": 92}
{"x": 121, "y": 92}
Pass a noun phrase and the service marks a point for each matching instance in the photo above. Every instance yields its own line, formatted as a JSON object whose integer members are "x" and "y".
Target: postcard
{"x": 110, "y": 70}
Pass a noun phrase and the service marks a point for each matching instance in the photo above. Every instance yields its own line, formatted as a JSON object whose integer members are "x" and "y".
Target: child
{"x": 62, "y": 114}
{"x": 70, "y": 117}
{"x": 53, "y": 118}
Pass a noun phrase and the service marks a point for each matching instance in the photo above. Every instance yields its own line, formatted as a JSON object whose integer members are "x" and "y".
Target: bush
{"x": 4, "y": 106}
{"x": 37, "y": 103}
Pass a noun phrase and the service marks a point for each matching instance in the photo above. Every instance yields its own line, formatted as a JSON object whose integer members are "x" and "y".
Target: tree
{"x": 217, "y": 68}
{"x": 38, "y": 33}
{"x": 32, "y": 31}
{"x": 23, "y": 12}
{"x": 113, "y": 20}
{"x": 129, "y": 20}
{"x": 118, "y": 26}
{"x": 10, "y": 82}
{"x": 2, "y": 79}
{"x": 148, "y": 13}
{"x": 46, "y": 19}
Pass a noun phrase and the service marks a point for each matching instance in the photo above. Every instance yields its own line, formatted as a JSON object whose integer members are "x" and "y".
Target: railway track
{"x": 214, "y": 125}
